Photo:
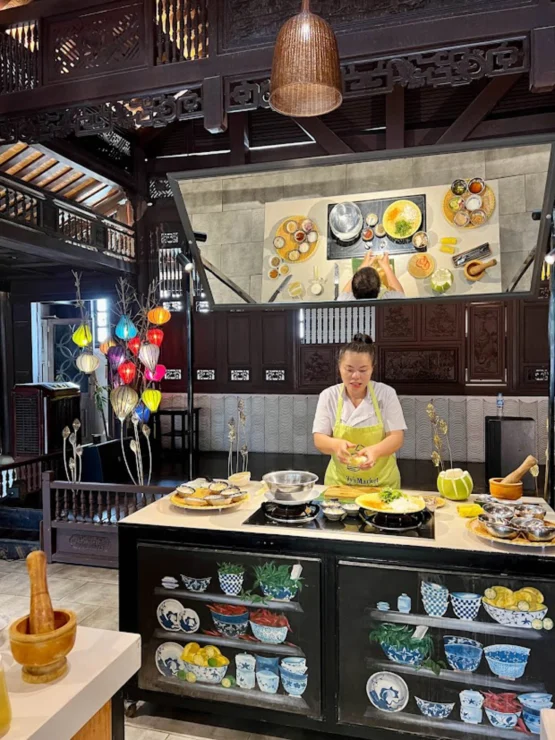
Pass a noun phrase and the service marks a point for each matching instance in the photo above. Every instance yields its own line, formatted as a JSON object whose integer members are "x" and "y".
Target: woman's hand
{"x": 370, "y": 453}
{"x": 342, "y": 450}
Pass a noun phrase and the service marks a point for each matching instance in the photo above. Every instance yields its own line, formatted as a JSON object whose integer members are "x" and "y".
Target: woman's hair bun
{"x": 363, "y": 339}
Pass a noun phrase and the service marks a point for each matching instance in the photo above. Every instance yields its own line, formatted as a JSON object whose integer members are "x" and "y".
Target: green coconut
{"x": 455, "y": 484}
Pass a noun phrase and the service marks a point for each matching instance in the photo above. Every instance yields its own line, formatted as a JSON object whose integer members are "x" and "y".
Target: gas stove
{"x": 311, "y": 516}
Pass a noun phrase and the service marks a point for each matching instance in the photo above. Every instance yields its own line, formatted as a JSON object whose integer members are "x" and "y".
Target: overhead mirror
{"x": 466, "y": 224}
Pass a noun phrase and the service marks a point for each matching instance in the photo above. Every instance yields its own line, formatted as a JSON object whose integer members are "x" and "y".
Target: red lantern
{"x": 127, "y": 372}
{"x": 134, "y": 345}
{"x": 155, "y": 336}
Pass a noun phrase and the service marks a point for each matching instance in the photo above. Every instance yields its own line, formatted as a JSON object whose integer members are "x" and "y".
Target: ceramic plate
{"x": 387, "y": 691}
{"x": 480, "y": 531}
{"x": 169, "y": 614}
{"x": 189, "y": 621}
{"x": 177, "y": 501}
{"x": 168, "y": 659}
{"x": 402, "y": 214}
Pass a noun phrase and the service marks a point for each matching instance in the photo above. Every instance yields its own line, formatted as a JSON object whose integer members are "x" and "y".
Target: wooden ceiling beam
{"x": 322, "y": 134}
{"x": 59, "y": 187}
{"x": 109, "y": 205}
{"x": 72, "y": 190}
{"x": 31, "y": 157}
{"x": 88, "y": 192}
{"x": 239, "y": 137}
{"x": 31, "y": 172}
{"x": 395, "y": 118}
{"x": 53, "y": 176}
{"x": 8, "y": 151}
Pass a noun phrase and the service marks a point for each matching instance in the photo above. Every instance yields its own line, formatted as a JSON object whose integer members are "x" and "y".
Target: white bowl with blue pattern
{"x": 435, "y": 598}
{"x": 507, "y": 661}
{"x": 293, "y": 683}
{"x": 466, "y": 605}
{"x": 271, "y": 635}
{"x": 168, "y": 659}
{"x": 435, "y": 709}
{"x": 503, "y": 720}
{"x": 196, "y": 585}
{"x": 206, "y": 674}
{"x": 514, "y": 618}
{"x": 387, "y": 691}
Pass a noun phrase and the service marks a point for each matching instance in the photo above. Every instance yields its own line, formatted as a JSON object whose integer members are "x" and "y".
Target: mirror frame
{"x": 541, "y": 247}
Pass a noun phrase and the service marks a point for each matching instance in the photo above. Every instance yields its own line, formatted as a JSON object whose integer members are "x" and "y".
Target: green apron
{"x": 384, "y": 473}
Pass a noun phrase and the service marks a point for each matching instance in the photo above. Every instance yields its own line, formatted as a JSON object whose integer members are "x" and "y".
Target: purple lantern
{"x": 116, "y": 355}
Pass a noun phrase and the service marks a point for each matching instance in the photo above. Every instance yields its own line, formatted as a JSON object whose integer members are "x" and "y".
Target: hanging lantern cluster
{"x": 149, "y": 355}
{"x": 134, "y": 345}
{"x": 105, "y": 346}
{"x": 116, "y": 355}
{"x": 123, "y": 400}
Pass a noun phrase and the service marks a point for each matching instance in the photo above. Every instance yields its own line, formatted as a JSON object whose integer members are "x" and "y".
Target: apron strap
{"x": 339, "y": 406}
{"x": 376, "y": 404}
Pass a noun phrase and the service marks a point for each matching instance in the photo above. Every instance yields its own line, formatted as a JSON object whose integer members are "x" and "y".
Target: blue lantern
{"x": 126, "y": 329}
{"x": 143, "y": 413}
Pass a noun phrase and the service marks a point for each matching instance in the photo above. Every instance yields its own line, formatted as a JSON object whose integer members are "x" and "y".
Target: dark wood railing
{"x": 26, "y": 475}
{"x": 80, "y": 520}
{"x": 181, "y": 30}
{"x": 19, "y": 57}
{"x": 73, "y": 224}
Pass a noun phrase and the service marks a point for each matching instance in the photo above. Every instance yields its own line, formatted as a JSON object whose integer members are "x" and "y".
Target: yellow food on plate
{"x": 391, "y": 502}
{"x": 469, "y": 510}
{"x": 402, "y": 219}
{"x": 530, "y": 594}
{"x": 201, "y": 493}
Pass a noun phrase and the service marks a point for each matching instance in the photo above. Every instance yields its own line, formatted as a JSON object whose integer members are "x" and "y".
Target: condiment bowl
{"x": 541, "y": 532}
{"x": 335, "y": 513}
{"x": 501, "y": 530}
{"x": 530, "y": 510}
{"x": 498, "y": 511}
{"x": 507, "y": 491}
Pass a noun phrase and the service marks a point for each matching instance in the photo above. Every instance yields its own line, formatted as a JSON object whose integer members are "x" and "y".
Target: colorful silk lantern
{"x": 116, "y": 355}
{"x": 157, "y": 375}
{"x": 134, "y": 345}
{"x": 143, "y": 413}
{"x": 105, "y": 346}
{"x": 127, "y": 372}
{"x": 117, "y": 381}
{"x": 159, "y": 315}
{"x": 123, "y": 400}
{"x": 151, "y": 399}
{"x": 149, "y": 355}
{"x": 126, "y": 329}
{"x": 87, "y": 363}
{"x": 155, "y": 336}
{"x": 82, "y": 336}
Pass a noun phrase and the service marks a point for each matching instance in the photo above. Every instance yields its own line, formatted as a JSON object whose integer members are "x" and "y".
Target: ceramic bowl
{"x": 507, "y": 661}
{"x": 351, "y": 509}
{"x": 505, "y": 491}
{"x": 197, "y": 585}
{"x": 293, "y": 683}
{"x": 387, "y": 691}
{"x": 294, "y": 665}
{"x": 335, "y": 514}
{"x": 206, "y": 674}
{"x": 503, "y": 720}
{"x": 462, "y": 653}
{"x": 231, "y": 625}
{"x": 279, "y": 593}
{"x": 435, "y": 598}
{"x": 231, "y": 583}
{"x": 434, "y": 709}
{"x": 512, "y": 618}
{"x": 271, "y": 635}
{"x": 383, "y": 606}
{"x": 535, "y": 700}
{"x": 466, "y": 605}
{"x": 268, "y": 681}
{"x": 532, "y": 721}
{"x": 403, "y": 655}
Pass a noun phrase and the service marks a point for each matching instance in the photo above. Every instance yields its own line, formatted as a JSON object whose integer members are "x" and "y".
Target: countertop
{"x": 450, "y": 529}
{"x": 99, "y": 665}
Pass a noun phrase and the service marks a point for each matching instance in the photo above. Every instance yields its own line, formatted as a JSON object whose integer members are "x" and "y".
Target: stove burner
{"x": 395, "y": 522}
{"x": 290, "y": 514}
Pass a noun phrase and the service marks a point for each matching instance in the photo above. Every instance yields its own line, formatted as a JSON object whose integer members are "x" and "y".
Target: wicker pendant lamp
{"x": 306, "y": 76}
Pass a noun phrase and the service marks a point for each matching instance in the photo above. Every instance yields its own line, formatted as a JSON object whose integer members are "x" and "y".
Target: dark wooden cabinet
{"x": 531, "y": 347}
{"x": 486, "y": 343}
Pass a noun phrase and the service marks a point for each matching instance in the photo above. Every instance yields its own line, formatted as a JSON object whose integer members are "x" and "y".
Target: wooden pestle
{"x": 517, "y": 475}
{"x": 41, "y": 614}
{"x": 476, "y": 270}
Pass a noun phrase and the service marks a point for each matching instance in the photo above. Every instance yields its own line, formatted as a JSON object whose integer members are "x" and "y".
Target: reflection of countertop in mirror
{"x": 438, "y": 226}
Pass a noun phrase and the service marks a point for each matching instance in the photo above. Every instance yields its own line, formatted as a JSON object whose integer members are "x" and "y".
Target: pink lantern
{"x": 157, "y": 375}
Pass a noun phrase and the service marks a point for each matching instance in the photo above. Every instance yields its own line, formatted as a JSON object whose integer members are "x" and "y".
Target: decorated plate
{"x": 296, "y": 239}
{"x": 480, "y": 531}
{"x": 177, "y": 501}
{"x": 168, "y": 614}
{"x": 488, "y": 206}
{"x": 387, "y": 691}
{"x": 402, "y": 219}
{"x": 168, "y": 659}
{"x": 421, "y": 265}
{"x": 189, "y": 621}
{"x": 403, "y": 504}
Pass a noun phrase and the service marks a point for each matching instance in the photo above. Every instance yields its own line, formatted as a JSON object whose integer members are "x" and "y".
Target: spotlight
{"x": 185, "y": 262}
{"x": 550, "y": 257}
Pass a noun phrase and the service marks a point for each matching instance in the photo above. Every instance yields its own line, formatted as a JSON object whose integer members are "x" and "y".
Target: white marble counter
{"x": 99, "y": 665}
{"x": 450, "y": 529}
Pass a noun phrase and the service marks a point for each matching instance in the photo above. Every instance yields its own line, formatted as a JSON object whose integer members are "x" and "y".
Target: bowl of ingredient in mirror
{"x": 466, "y": 605}
{"x": 507, "y": 661}
{"x": 335, "y": 513}
{"x": 435, "y": 709}
{"x": 197, "y": 585}
{"x": 229, "y": 620}
{"x": 462, "y": 653}
{"x": 268, "y": 626}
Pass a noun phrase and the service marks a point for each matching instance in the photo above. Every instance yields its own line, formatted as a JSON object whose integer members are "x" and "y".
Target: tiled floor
{"x": 93, "y": 594}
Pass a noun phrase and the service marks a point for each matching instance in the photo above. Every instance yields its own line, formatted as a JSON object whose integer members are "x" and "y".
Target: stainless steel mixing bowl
{"x": 346, "y": 221}
{"x": 290, "y": 487}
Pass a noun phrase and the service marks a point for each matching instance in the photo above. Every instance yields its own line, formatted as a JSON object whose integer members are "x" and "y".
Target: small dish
{"x": 530, "y": 510}
{"x": 499, "y": 511}
{"x": 478, "y": 217}
{"x": 351, "y": 509}
{"x": 420, "y": 241}
{"x": 456, "y": 203}
{"x": 371, "y": 219}
{"x": 476, "y": 186}
{"x": 473, "y": 203}
{"x": 383, "y": 606}
{"x": 367, "y": 235}
{"x": 459, "y": 187}
{"x": 379, "y": 231}
{"x": 196, "y": 585}
{"x": 335, "y": 513}
{"x": 461, "y": 218}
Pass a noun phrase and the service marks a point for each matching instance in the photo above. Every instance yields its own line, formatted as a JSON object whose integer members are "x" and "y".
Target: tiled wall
{"x": 284, "y": 423}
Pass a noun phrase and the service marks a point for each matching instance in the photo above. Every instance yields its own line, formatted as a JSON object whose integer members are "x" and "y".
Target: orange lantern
{"x": 105, "y": 346}
{"x": 159, "y": 315}
{"x": 127, "y": 371}
{"x": 134, "y": 345}
{"x": 155, "y": 336}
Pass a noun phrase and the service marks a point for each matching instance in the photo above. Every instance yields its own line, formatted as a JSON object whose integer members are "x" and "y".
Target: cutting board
{"x": 348, "y": 492}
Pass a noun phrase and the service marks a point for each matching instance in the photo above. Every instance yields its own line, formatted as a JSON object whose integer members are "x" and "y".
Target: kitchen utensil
{"x": 475, "y": 270}
{"x": 541, "y": 532}
{"x": 346, "y": 221}
{"x": 517, "y": 475}
{"x": 484, "y": 250}
{"x": 505, "y": 491}
{"x": 290, "y": 487}
{"x": 280, "y": 288}
{"x": 41, "y": 614}
{"x": 501, "y": 530}
{"x": 336, "y": 281}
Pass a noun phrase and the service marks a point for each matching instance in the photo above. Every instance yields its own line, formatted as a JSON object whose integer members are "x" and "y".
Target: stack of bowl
{"x": 435, "y": 598}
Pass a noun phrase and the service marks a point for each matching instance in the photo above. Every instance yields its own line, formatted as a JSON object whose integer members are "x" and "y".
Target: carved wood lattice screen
{"x": 181, "y": 30}
{"x": 335, "y": 325}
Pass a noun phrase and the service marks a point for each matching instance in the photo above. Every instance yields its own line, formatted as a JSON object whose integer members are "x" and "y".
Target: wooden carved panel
{"x": 442, "y": 322}
{"x": 98, "y": 42}
{"x": 419, "y": 366}
{"x": 397, "y": 323}
{"x": 275, "y": 347}
{"x": 317, "y": 366}
{"x": 486, "y": 356}
{"x": 238, "y": 339}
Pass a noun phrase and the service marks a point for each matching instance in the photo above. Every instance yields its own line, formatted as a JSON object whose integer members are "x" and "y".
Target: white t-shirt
{"x": 363, "y": 415}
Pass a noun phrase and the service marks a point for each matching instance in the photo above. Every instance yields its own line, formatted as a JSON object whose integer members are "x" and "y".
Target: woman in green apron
{"x": 359, "y": 418}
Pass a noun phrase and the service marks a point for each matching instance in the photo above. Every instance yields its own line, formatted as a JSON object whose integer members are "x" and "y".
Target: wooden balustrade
{"x": 19, "y": 57}
{"x": 181, "y": 30}
{"x": 27, "y": 474}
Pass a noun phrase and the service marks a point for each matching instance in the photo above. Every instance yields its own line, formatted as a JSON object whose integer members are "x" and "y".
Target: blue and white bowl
{"x": 168, "y": 659}
{"x": 503, "y": 720}
{"x": 466, "y": 605}
{"x": 271, "y": 635}
{"x": 293, "y": 683}
{"x": 514, "y": 618}
{"x": 196, "y": 585}
{"x": 231, "y": 625}
{"x": 387, "y": 691}
{"x": 294, "y": 665}
{"x": 535, "y": 700}
{"x": 383, "y": 606}
{"x": 435, "y": 709}
{"x": 462, "y": 653}
{"x": 268, "y": 681}
{"x": 435, "y": 598}
{"x": 403, "y": 655}
{"x": 507, "y": 661}
{"x": 206, "y": 674}
{"x": 279, "y": 593}
{"x": 532, "y": 721}
{"x": 231, "y": 583}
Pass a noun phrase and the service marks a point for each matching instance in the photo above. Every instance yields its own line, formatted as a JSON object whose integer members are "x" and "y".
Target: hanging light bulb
{"x": 123, "y": 400}
{"x": 87, "y": 362}
{"x": 134, "y": 345}
{"x": 155, "y": 336}
{"x": 151, "y": 399}
{"x": 143, "y": 413}
{"x": 105, "y": 346}
{"x": 116, "y": 355}
{"x": 127, "y": 372}
{"x": 126, "y": 329}
{"x": 157, "y": 375}
{"x": 159, "y": 315}
{"x": 82, "y": 336}
{"x": 306, "y": 76}
{"x": 149, "y": 355}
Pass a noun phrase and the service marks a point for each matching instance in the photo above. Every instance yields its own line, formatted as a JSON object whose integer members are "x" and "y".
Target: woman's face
{"x": 356, "y": 370}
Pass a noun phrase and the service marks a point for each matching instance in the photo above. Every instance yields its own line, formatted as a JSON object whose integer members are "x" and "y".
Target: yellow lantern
{"x": 105, "y": 346}
{"x": 123, "y": 400}
{"x": 151, "y": 399}
{"x": 87, "y": 362}
{"x": 159, "y": 315}
{"x": 149, "y": 355}
{"x": 82, "y": 336}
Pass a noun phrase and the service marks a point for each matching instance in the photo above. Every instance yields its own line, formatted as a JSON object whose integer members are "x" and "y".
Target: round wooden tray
{"x": 291, "y": 244}
{"x": 488, "y": 206}
{"x": 177, "y": 501}
{"x": 480, "y": 531}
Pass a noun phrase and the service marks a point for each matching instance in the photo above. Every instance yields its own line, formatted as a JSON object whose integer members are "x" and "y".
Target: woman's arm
{"x": 390, "y": 276}
{"x": 332, "y": 446}
{"x": 393, "y": 441}
{"x": 366, "y": 262}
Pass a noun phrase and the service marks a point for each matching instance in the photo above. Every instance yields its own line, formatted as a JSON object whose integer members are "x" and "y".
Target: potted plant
{"x": 453, "y": 483}
{"x": 401, "y": 646}
{"x": 231, "y": 578}
{"x": 280, "y": 582}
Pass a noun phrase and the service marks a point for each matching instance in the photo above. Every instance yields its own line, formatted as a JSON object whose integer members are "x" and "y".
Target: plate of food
{"x": 469, "y": 204}
{"x": 217, "y": 495}
{"x": 296, "y": 239}
{"x": 391, "y": 501}
{"x": 402, "y": 219}
{"x": 421, "y": 266}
